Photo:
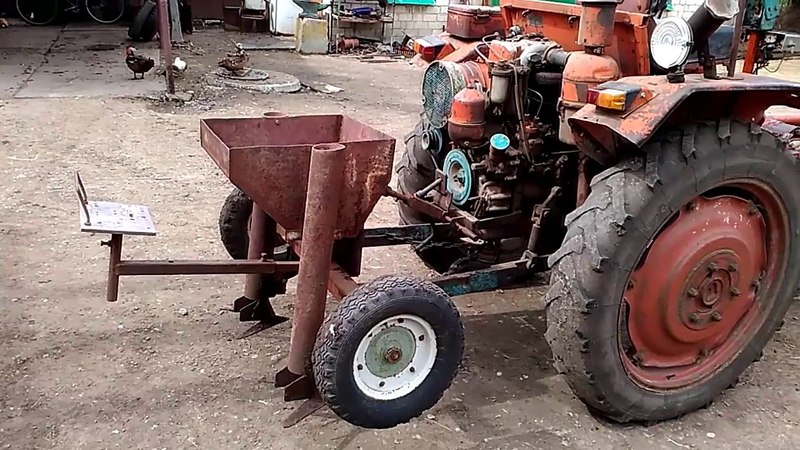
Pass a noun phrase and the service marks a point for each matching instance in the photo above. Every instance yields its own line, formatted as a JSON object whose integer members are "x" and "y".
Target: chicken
{"x": 179, "y": 65}
{"x": 138, "y": 64}
{"x": 235, "y": 62}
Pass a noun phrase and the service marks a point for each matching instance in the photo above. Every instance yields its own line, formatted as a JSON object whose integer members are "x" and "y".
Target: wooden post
{"x": 166, "y": 44}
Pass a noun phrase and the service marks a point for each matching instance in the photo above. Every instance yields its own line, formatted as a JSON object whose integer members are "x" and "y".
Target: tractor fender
{"x": 606, "y": 136}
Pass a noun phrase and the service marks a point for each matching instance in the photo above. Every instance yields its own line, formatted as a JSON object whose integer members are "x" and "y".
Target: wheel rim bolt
{"x": 732, "y": 267}
{"x": 735, "y": 292}
{"x": 712, "y": 266}
{"x": 692, "y": 292}
{"x": 716, "y": 316}
{"x": 694, "y": 318}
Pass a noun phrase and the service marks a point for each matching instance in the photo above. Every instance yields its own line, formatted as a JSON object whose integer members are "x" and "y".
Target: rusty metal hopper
{"x": 268, "y": 159}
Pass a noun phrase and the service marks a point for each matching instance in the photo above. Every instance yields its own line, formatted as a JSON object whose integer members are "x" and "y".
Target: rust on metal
{"x": 751, "y": 53}
{"x": 340, "y": 284}
{"x": 743, "y": 98}
{"x": 327, "y": 169}
{"x": 268, "y": 158}
{"x": 559, "y": 22}
{"x": 348, "y": 44}
{"x": 596, "y": 26}
{"x": 467, "y": 120}
{"x": 691, "y": 304}
{"x": 261, "y": 233}
{"x": 178, "y": 267}
{"x": 115, "y": 255}
{"x": 308, "y": 407}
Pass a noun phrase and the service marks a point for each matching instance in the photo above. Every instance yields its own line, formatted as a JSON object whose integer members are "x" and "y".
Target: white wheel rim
{"x": 405, "y": 374}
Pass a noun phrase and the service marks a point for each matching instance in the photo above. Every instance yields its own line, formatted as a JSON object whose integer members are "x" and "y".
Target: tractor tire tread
{"x": 594, "y": 233}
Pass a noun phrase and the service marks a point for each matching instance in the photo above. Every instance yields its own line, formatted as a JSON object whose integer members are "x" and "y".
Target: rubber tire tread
{"x": 604, "y": 240}
{"x": 234, "y": 217}
{"x": 338, "y": 338}
{"x": 143, "y": 27}
{"x": 49, "y": 22}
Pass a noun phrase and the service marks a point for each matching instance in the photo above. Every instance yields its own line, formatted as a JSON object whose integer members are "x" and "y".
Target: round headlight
{"x": 671, "y": 42}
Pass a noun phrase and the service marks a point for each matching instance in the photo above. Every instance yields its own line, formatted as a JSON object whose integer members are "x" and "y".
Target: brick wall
{"x": 425, "y": 20}
{"x": 412, "y": 20}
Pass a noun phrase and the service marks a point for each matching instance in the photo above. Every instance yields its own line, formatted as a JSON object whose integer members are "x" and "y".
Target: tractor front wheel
{"x": 676, "y": 271}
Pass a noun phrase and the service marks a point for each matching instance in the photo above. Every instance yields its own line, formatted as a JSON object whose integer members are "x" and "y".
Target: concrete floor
{"x": 59, "y": 61}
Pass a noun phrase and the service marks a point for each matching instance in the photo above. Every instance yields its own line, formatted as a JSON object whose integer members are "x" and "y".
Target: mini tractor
{"x": 603, "y": 138}
{"x": 597, "y": 141}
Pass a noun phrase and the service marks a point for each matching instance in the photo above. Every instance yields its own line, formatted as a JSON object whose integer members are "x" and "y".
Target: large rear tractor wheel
{"x": 676, "y": 271}
{"x": 388, "y": 352}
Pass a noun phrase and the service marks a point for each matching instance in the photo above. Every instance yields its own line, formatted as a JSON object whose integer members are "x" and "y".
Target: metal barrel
{"x": 325, "y": 182}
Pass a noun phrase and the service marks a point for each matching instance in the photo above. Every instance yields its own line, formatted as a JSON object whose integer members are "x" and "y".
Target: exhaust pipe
{"x": 710, "y": 16}
{"x": 704, "y": 22}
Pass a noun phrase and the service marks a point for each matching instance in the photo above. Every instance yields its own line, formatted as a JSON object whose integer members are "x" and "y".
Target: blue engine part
{"x": 500, "y": 142}
{"x": 459, "y": 176}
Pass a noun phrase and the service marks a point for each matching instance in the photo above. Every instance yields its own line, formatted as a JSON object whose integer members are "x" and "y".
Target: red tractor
{"x": 596, "y": 141}
{"x": 603, "y": 139}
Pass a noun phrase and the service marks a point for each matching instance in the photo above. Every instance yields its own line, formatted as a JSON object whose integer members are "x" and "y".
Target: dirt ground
{"x": 77, "y": 372}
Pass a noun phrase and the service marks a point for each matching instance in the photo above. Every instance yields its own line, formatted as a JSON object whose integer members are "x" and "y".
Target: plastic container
{"x": 473, "y": 22}
{"x": 283, "y": 16}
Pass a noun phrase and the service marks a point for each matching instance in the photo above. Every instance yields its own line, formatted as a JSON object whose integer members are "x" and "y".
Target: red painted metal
{"x": 324, "y": 191}
{"x": 596, "y": 26}
{"x": 751, "y": 52}
{"x": 696, "y": 299}
{"x": 467, "y": 115}
{"x": 268, "y": 158}
{"x": 744, "y": 98}
{"x": 560, "y": 23}
{"x": 473, "y": 22}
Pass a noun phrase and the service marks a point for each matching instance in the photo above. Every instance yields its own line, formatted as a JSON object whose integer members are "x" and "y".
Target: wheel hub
{"x": 692, "y": 298}
{"x": 390, "y": 351}
{"x": 395, "y": 357}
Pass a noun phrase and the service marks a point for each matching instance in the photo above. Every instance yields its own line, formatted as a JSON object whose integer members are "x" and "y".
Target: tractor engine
{"x": 497, "y": 122}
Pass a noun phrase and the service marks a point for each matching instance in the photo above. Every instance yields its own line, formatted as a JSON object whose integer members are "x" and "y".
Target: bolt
{"x": 382, "y": 384}
{"x": 735, "y": 292}
{"x": 732, "y": 267}
{"x": 691, "y": 206}
{"x": 638, "y": 358}
{"x": 360, "y": 367}
{"x": 692, "y": 292}
{"x": 393, "y": 355}
{"x": 422, "y": 337}
{"x": 753, "y": 209}
{"x": 694, "y": 318}
{"x": 716, "y": 316}
{"x": 704, "y": 352}
{"x": 412, "y": 370}
{"x": 712, "y": 266}
{"x": 631, "y": 284}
